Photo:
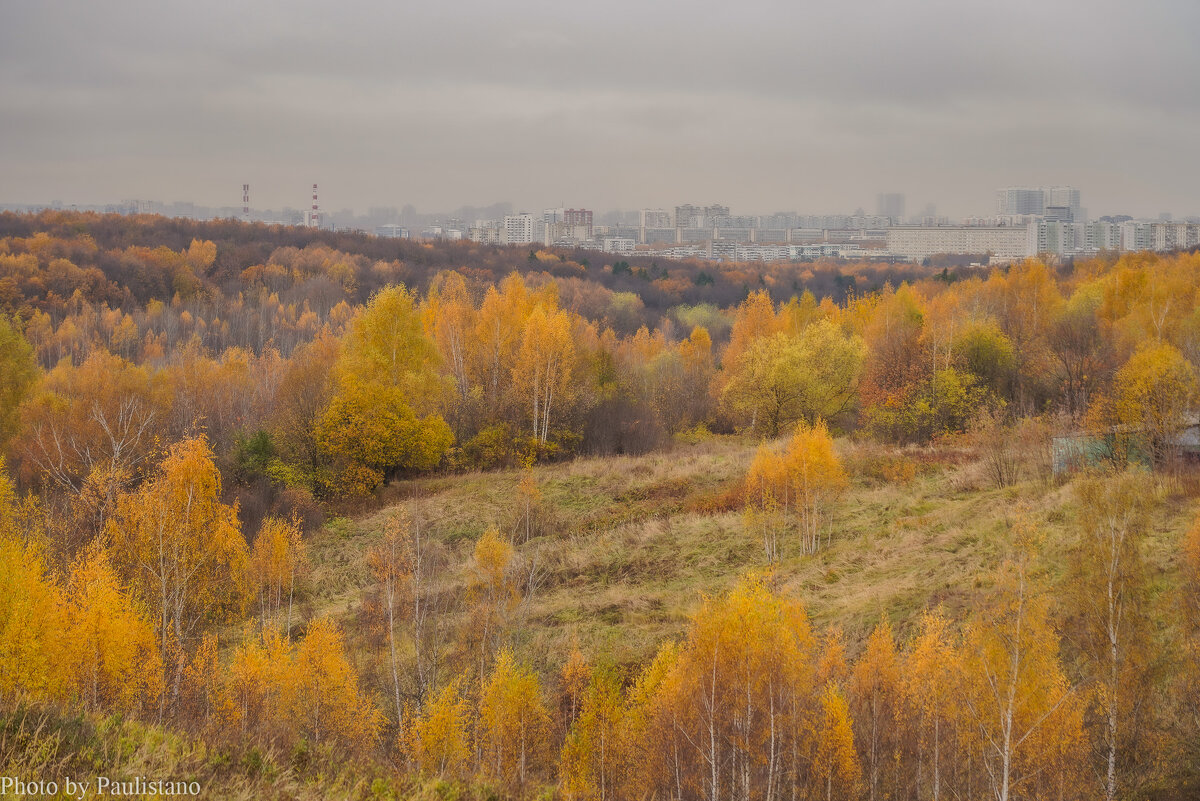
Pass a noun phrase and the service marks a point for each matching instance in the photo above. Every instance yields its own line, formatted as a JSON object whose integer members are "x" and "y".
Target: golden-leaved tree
{"x": 1082, "y": 347}
{"x": 91, "y": 430}
{"x": 280, "y": 692}
{"x": 836, "y": 771}
{"x": 438, "y": 739}
{"x": 116, "y": 658}
{"x": 542, "y": 376}
{"x": 1109, "y": 596}
{"x": 514, "y": 725}
{"x": 1025, "y": 301}
{"x": 896, "y": 363}
{"x": 696, "y": 354}
{"x": 382, "y": 418}
{"x": 732, "y": 714}
{"x": 783, "y": 379}
{"x": 90, "y": 642}
{"x": 794, "y": 488}
{"x": 1025, "y": 713}
{"x": 449, "y": 320}
{"x": 1152, "y": 394}
{"x": 305, "y": 387}
{"x": 815, "y": 472}
{"x": 493, "y": 594}
{"x": 497, "y": 340}
{"x": 576, "y": 675}
{"x": 876, "y": 692}
{"x": 754, "y": 320}
{"x": 654, "y": 743}
{"x": 594, "y": 763}
{"x": 251, "y": 696}
{"x": 769, "y": 499}
{"x": 323, "y": 699}
{"x": 929, "y": 691}
{"x": 181, "y": 549}
{"x": 528, "y": 503}
{"x": 278, "y": 558}
{"x": 33, "y": 643}
{"x": 18, "y": 373}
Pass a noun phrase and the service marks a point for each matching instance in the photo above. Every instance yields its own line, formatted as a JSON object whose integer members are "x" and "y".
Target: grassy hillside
{"x": 625, "y": 548}
{"x": 630, "y": 544}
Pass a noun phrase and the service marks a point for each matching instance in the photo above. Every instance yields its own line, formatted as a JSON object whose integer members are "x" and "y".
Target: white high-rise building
{"x": 1060, "y": 237}
{"x": 519, "y": 229}
{"x": 1102, "y": 236}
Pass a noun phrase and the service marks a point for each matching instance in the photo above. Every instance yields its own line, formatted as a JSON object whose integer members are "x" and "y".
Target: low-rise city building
{"x": 915, "y": 242}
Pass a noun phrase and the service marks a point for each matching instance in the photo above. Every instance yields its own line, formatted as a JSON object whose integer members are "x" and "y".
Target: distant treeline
{"x": 126, "y": 252}
{"x": 326, "y": 364}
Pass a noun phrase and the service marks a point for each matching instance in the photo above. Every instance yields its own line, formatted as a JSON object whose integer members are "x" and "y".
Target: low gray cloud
{"x": 763, "y": 105}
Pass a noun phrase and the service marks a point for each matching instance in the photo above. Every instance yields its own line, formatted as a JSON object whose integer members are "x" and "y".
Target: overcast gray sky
{"x": 764, "y": 106}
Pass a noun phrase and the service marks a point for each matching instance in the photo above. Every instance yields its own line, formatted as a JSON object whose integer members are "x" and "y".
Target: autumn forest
{"x": 303, "y": 514}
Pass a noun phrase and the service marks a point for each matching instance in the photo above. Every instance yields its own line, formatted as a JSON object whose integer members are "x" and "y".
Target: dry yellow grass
{"x": 630, "y": 550}
{"x": 42, "y": 741}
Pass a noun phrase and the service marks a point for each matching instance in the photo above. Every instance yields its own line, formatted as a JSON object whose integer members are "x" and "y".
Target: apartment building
{"x": 1006, "y": 243}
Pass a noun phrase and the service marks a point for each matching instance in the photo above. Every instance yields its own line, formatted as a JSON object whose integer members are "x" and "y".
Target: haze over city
{"x": 763, "y": 106}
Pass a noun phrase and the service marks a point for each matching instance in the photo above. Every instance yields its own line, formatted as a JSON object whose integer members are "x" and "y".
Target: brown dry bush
{"x": 878, "y": 464}
{"x": 729, "y": 499}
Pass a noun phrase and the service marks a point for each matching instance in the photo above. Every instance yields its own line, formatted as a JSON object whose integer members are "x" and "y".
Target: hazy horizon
{"x": 761, "y": 106}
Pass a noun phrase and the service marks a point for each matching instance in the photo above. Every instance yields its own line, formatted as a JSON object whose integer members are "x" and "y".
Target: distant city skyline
{"x": 760, "y": 105}
{"x": 1047, "y": 221}
{"x": 889, "y": 205}
{"x": 332, "y": 202}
